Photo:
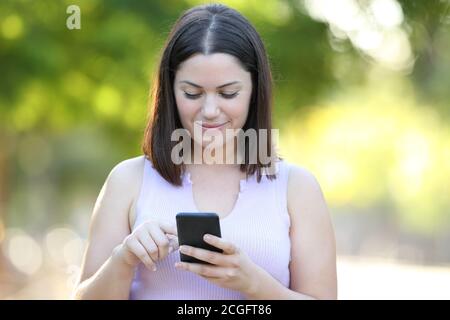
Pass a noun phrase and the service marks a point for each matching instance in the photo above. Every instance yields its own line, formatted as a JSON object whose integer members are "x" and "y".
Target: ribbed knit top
{"x": 258, "y": 225}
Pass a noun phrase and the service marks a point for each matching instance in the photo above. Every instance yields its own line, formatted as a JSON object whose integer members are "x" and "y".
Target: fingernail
{"x": 183, "y": 249}
{"x": 207, "y": 237}
{"x": 154, "y": 268}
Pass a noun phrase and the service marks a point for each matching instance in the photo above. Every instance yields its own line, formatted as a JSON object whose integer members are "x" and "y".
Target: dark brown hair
{"x": 207, "y": 29}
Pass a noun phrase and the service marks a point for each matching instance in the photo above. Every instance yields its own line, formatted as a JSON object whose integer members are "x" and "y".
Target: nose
{"x": 210, "y": 108}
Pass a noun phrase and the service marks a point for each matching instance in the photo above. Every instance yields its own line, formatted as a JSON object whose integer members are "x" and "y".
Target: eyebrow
{"x": 197, "y": 86}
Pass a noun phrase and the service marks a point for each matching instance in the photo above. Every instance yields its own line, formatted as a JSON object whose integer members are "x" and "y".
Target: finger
{"x": 160, "y": 239}
{"x": 168, "y": 227}
{"x": 139, "y": 251}
{"x": 226, "y": 246}
{"x": 149, "y": 245}
{"x": 205, "y": 255}
{"x": 203, "y": 270}
{"x": 173, "y": 242}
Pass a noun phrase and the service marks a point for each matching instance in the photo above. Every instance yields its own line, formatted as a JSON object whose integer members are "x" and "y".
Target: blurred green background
{"x": 362, "y": 100}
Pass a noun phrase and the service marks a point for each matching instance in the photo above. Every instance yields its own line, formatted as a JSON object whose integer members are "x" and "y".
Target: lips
{"x": 213, "y": 125}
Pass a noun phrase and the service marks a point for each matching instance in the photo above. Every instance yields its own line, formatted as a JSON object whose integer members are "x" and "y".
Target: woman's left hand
{"x": 231, "y": 269}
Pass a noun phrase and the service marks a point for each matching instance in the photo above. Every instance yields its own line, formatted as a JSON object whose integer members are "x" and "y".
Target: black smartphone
{"x": 192, "y": 226}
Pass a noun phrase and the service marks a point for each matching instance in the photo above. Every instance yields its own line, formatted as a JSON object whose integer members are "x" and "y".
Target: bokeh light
{"x": 23, "y": 251}
{"x": 64, "y": 247}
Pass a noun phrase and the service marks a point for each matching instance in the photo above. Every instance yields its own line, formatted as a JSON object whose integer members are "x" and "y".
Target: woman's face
{"x": 213, "y": 94}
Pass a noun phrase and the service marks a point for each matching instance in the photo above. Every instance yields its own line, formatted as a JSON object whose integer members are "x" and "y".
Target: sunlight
{"x": 364, "y": 153}
{"x": 374, "y": 27}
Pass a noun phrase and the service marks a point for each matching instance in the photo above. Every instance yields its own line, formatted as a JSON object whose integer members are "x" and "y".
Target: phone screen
{"x": 192, "y": 226}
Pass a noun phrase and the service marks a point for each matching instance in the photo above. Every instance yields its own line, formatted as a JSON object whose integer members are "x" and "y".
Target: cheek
{"x": 238, "y": 110}
{"x": 186, "y": 108}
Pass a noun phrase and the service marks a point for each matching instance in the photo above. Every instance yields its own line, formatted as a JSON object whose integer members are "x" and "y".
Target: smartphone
{"x": 192, "y": 226}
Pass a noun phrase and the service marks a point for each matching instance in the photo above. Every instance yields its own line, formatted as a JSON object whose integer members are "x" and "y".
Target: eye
{"x": 192, "y": 96}
{"x": 229, "y": 95}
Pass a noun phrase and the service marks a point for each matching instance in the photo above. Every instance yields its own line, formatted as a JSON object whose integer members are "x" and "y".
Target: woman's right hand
{"x": 149, "y": 242}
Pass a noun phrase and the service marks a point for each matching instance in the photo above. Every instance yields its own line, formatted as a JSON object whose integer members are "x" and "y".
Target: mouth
{"x": 212, "y": 125}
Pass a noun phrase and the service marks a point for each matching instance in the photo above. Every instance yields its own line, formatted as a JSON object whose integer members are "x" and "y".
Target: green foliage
{"x": 74, "y": 102}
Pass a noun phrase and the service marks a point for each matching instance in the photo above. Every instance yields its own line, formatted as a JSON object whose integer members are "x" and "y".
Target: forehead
{"x": 211, "y": 70}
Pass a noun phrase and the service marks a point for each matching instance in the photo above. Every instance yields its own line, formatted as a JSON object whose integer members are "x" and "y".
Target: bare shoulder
{"x": 121, "y": 188}
{"x": 127, "y": 170}
{"x": 303, "y": 188}
{"x": 110, "y": 218}
{"x": 126, "y": 178}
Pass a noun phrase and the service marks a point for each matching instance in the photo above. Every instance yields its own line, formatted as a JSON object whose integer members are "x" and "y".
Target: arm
{"x": 112, "y": 281}
{"x": 104, "y": 274}
{"x": 313, "y": 264}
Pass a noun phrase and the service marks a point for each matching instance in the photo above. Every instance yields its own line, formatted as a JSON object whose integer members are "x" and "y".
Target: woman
{"x": 277, "y": 237}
